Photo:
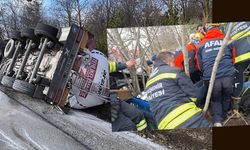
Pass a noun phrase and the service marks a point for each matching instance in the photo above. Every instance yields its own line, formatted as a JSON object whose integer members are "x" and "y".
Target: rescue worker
{"x": 195, "y": 74}
{"x": 223, "y": 86}
{"x": 241, "y": 49}
{"x": 124, "y": 117}
{"x": 172, "y": 97}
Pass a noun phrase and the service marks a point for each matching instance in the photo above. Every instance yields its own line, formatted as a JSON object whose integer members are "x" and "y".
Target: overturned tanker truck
{"x": 41, "y": 63}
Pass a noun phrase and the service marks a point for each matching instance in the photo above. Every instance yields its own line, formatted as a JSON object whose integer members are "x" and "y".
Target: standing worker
{"x": 223, "y": 85}
{"x": 195, "y": 74}
{"x": 172, "y": 96}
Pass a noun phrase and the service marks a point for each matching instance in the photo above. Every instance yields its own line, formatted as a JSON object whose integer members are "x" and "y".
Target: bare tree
{"x": 31, "y": 14}
{"x": 184, "y": 50}
{"x": 206, "y": 7}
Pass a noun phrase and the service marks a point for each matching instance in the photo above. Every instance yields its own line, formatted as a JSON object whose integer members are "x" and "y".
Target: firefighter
{"x": 223, "y": 86}
{"x": 172, "y": 97}
{"x": 124, "y": 117}
{"x": 241, "y": 49}
{"x": 192, "y": 51}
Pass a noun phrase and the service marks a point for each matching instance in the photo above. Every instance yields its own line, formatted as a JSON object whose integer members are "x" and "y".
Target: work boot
{"x": 217, "y": 124}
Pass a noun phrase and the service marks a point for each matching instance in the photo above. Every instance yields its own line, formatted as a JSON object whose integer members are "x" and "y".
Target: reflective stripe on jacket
{"x": 114, "y": 66}
{"x": 171, "y": 95}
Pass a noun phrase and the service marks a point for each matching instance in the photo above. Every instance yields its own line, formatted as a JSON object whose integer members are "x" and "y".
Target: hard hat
{"x": 200, "y": 35}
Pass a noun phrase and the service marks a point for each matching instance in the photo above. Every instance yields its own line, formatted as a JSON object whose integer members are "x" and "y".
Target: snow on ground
{"x": 84, "y": 128}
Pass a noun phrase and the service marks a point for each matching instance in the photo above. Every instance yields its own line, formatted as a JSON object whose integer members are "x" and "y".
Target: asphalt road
{"x": 20, "y": 128}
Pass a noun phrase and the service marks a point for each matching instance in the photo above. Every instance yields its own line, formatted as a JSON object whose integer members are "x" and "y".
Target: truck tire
{"x": 28, "y": 33}
{"x": 7, "y": 81}
{"x": 47, "y": 31}
{"x": 24, "y": 87}
{"x": 9, "y": 49}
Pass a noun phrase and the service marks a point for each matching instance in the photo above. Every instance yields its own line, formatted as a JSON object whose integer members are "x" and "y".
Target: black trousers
{"x": 221, "y": 98}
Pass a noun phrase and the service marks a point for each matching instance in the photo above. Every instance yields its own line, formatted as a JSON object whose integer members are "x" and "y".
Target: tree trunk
{"x": 79, "y": 13}
{"x": 206, "y": 11}
{"x": 184, "y": 50}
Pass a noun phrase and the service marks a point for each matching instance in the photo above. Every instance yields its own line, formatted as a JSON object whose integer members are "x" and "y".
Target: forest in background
{"x": 98, "y": 15}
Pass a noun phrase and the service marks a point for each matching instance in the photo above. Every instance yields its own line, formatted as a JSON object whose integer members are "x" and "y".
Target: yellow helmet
{"x": 199, "y": 35}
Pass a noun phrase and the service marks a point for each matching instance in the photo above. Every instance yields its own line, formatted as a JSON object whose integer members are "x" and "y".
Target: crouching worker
{"x": 125, "y": 117}
{"x": 172, "y": 97}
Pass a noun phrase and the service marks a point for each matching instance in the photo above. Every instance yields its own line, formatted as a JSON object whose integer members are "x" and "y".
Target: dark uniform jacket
{"x": 207, "y": 52}
{"x": 242, "y": 44}
{"x": 171, "y": 95}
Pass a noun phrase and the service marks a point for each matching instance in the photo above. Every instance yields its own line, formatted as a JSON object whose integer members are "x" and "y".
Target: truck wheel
{"x": 29, "y": 34}
{"x": 47, "y": 31}
{"x": 24, "y": 87}
{"x": 7, "y": 81}
{"x": 9, "y": 49}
